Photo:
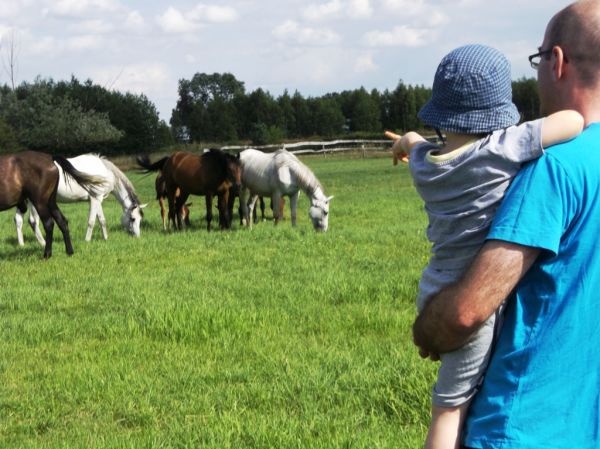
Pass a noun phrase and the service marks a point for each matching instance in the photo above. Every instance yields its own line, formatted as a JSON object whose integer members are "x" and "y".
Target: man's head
{"x": 570, "y": 65}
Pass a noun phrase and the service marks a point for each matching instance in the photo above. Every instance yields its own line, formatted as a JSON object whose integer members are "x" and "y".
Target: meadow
{"x": 274, "y": 337}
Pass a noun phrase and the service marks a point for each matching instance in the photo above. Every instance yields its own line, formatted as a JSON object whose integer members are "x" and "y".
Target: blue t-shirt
{"x": 542, "y": 387}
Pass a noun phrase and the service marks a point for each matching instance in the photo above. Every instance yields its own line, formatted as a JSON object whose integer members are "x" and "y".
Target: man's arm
{"x": 452, "y": 316}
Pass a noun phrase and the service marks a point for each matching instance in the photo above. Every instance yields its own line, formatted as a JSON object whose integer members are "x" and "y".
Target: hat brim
{"x": 473, "y": 121}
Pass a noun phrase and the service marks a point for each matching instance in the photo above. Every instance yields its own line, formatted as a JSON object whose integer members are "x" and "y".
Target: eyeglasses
{"x": 535, "y": 59}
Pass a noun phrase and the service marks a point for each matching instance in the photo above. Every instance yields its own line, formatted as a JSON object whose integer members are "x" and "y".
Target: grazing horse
{"x": 211, "y": 173}
{"x": 161, "y": 193}
{"x": 33, "y": 176}
{"x": 114, "y": 181}
{"x": 281, "y": 174}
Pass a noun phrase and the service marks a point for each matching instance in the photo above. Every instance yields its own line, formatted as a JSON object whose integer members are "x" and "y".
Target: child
{"x": 462, "y": 183}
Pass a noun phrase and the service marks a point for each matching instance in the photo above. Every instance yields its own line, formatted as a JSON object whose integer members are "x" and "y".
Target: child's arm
{"x": 561, "y": 126}
{"x": 403, "y": 144}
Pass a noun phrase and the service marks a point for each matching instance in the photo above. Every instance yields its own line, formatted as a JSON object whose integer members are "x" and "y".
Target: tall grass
{"x": 266, "y": 338}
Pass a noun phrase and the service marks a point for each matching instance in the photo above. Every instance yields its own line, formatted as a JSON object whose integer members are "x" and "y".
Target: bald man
{"x": 542, "y": 387}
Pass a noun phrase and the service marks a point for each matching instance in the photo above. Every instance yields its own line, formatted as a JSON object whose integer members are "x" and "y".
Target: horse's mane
{"x": 306, "y": 178}
{"x": 121, "y": 177}
{"x": 219, "y": 155}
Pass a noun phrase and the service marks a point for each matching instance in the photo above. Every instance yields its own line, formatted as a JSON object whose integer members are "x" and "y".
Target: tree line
{"x": 72, "y": 117}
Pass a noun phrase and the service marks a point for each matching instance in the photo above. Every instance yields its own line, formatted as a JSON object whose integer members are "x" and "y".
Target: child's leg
{"x": 446, "y": 427}
{"x": 459, "y": 375}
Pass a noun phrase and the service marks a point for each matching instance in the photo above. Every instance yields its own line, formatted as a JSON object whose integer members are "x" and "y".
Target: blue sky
{"x": 314, "y": 47}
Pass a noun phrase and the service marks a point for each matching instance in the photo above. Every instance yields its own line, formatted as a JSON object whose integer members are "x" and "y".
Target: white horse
{"x": 115, "y": 182}
{"x": 281, "y": 174}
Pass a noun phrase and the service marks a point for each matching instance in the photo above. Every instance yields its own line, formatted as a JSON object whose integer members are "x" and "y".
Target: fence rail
{"x": 317, "y": 147}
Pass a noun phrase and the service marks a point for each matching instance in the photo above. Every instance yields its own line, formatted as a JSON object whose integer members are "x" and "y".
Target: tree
{"x": 42, "y": 121}
{"x": 364, "y": 112}
{"x": 189, "y": 118}
{"x": 526, "y": 98}
{"x": 328, "y": 119}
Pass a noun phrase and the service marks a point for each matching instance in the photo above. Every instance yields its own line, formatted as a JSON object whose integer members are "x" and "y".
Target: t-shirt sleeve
{"x": 537, "y": 207}
{"x": 520, "y": 143}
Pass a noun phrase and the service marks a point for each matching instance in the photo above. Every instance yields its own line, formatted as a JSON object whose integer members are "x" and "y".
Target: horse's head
{"x": 234, "y": 171}
{"x": 132, "y": 218}
{"x": 319, "y": 213}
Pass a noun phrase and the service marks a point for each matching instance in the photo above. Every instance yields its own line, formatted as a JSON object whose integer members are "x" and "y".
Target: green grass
{"x": 266, "y": 338}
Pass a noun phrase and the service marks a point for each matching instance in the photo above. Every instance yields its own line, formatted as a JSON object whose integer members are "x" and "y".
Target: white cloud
{"x": 214, "y": 13}
{"x": 408, "y": 7}
{"x": 400, "y": 36}
{"x": 365, "y": 64}
{"x": 360, "y": 9}
{"x": 95, "y": 26}
{"x": 135, "y": 21}
{"x": 80, "y": 8}
{"x": 176, "y": 21}
{"x": 146, "y": 78}
{"x": 291, "y": 31}
{"x": 173, "y": 21}
{"x": 85, "y": 42}
{"x": 13, "y": 8}
{"x": 323, "y": 11}
{"x": 335, "y": 9}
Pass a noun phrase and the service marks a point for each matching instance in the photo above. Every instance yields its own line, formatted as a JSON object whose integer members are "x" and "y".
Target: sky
{"x": 310, "y": 46}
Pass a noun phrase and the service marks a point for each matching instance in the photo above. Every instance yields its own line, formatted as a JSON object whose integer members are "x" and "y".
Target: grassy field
{"x": 269, "y": 338}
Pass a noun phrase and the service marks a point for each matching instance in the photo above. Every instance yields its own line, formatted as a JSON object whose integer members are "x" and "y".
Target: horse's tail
{"x": 144, "y": 162}
{"x": 85, "y": 180}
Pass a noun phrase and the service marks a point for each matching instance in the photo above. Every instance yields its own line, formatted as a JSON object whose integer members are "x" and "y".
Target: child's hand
{"x": 397, "y": 152}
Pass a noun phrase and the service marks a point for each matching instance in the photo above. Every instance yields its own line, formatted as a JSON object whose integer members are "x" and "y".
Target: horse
{"x": 33, "y": 176}
{"x": 213, "y": 173}
{"x": 281, "y": 174}
{"x": 161, "y": 193}
{"x": 114, "y": 181}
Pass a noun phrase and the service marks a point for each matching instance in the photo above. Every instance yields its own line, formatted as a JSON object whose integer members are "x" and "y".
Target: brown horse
{"x": 30, "y": 175}
{"x": 161, "y": 194}
{"x": 211, "y": 173}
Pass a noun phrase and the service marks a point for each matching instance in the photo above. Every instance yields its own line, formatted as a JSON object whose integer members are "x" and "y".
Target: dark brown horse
{"x": 212, "y": 173}
{"x": 30, "y": 175}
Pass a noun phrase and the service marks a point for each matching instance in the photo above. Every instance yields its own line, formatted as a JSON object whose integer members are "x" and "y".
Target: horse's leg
{"x": 63, "y": 225}
{"x": 102, "y": 221}
{"x": 230, "y": 203}
{"x": 21, "y": 209}
{"x": 48, "y": 224}
{"x": 293, "y": 205}
{"x": 209, "y": 213}
{"x": 91, "y": 218}
{"x": 244, "y": 193}
{"x": 223, "y": 205}
{"x": 34, "y": 222}
{"x": 161, "y": 202}
{"x": 262, "y": 210}
{"x": 251, "y": 210}
{"x": 179, "y": 204}
{"x": 172, "y": 210}
{"x": 275, "y": 200}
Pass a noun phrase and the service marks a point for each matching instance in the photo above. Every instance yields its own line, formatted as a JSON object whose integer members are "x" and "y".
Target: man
{"x": 542, "y": 387}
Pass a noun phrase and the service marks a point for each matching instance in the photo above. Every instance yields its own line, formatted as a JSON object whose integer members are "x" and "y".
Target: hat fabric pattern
{"x": 472, "y": 92}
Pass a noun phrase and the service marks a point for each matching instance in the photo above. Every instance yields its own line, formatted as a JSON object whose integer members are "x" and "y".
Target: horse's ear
{"x": 237, "y": 156}
{"x": 329, "y": 198}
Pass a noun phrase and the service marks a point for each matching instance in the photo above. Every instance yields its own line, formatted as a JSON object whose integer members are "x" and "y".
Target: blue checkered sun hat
{"x": 471, "y": 92}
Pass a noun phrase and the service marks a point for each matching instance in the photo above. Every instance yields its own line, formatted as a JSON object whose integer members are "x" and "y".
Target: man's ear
{"x": 559, "y": 63}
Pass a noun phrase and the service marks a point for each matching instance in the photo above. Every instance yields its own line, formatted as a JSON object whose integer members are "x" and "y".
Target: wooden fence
{"x": 325, "y": 147}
